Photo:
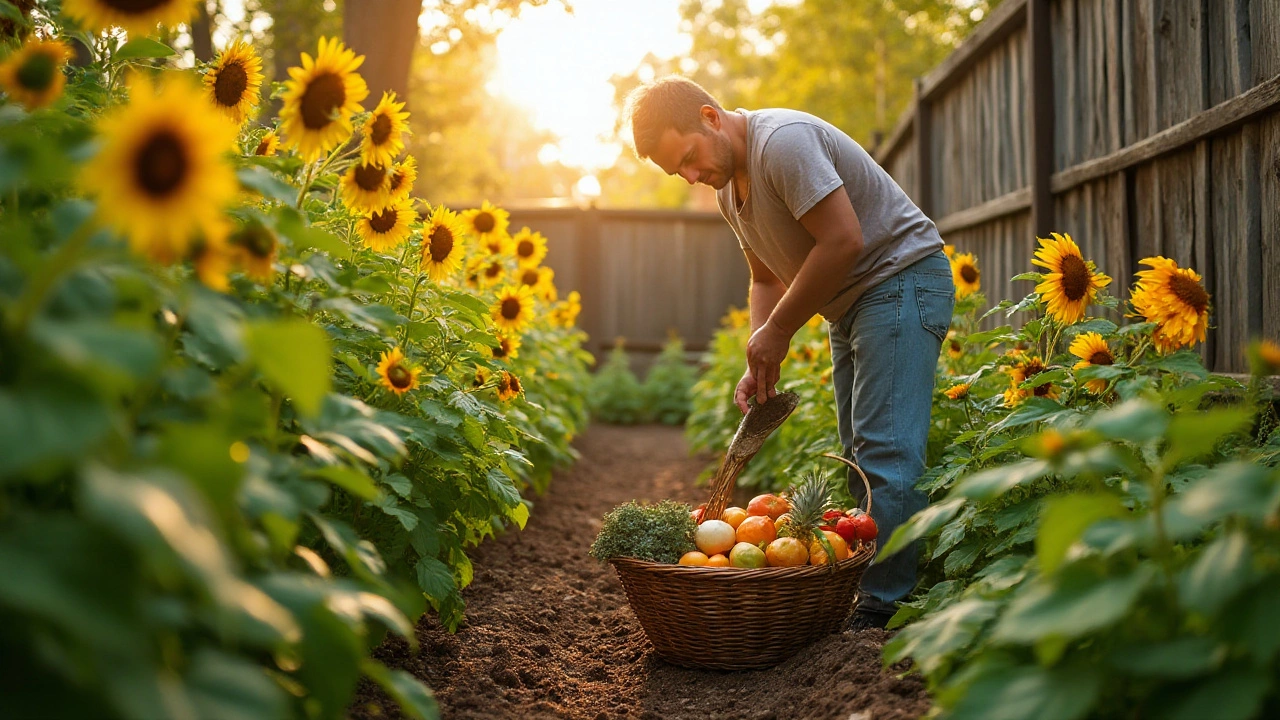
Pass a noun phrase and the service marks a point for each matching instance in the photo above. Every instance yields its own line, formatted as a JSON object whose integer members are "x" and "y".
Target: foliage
{"x": 668, "y": 384}
{"x": 214, "y": 499}
{"x": 616, "y": 395}
{"x": 660, "y": 532}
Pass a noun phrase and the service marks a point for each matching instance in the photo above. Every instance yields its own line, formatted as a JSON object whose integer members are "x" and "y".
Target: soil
{"x": 549, "y": 633}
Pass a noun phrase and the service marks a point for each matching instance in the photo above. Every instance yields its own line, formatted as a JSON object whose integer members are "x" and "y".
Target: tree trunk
{"x": 386, "y": 33}
{"x": 202, "y": 33}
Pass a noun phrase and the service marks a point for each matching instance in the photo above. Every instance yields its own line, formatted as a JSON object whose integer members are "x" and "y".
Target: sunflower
{"x": 949, "y": 250}
{"x": 1071, "y": 282}
{"x": 737, "y": 318}
{"x": 481, "y": 378}
{"x": 540, "y": 280}
{"x": 442, "y": 244}
{"x": 403, "y": 176}
{"x": 160, "y": 176}
{"x": 513, "y": 309}
{"x": 366, "y": 188}
{"x": 529, "y": 247}
{"x": 1173, "y": 299}
{"x": 387, "y": 228}
{"x": 565, "y": 314}
{"x": 32, "y": 76}
{"x": 957, "y": 391}
{"x": 384, "y": 132}
{"x": 254, "y": 247}
{"x": 955, "y": 350}
{"x": 1264, "y": 357}
{"x": 1027, "y": 368}
{"x": 396, "y": 374}
{"x": 234, "y": 82}
{"x": 211, "y": 258}
{"x": 268, "y": 145}
{"x": 319, "y": 99}
{"x": 492, "y": 273}
{"x": 1092, "y": 349}
{"x": 508, "y": 386}
{"x": 138, "y": 18}
{"x": 487, "y": 221}
{"x": 965, "y": 273}
{"x": 508, "y": 347}
{"x": 498, "y": 244}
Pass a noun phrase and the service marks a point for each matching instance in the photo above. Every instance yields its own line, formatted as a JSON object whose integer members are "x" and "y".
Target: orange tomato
{"x": 718, "y": 560}
{"x": 818, "y": 554}
{"x": 786, "y": 552}
{"x": 768, "y": 504}
{"x": 757, "y": 529}
{"x": 693, "y": 557}
{"x": 734, "y": 516}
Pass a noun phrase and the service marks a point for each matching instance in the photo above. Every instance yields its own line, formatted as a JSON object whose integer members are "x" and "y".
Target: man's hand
{"x": 765, "y": 352}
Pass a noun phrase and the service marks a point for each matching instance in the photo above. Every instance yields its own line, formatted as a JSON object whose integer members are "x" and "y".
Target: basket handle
{"x": 866, "y": 483}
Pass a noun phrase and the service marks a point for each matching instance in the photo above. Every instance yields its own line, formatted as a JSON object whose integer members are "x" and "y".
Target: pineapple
{"x": 809, "y": 500}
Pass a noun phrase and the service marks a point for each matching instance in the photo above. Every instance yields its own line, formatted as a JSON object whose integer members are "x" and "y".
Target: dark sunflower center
{"x": 135, "y": 7}
{"x": 493, "y": 270}
{"x": 1043, "y": 390}
{"x": 485, "y": 222}
{"x": 397, "y": 177}
{"x": 514, "y": 384}
{"x": 383, "y": 221}
{"x": 323, "y": 96}
{"x": 1101, "y": 357}
{"x": 257, "y": 240}
{"x": 955, "y": 346}
{"x": 369, "y": 177}
{"x": 1075, "y": 277}
{"x": 37, "y": 72}
{"x": 510, "y": 308}
{"x": 230, "y": 84}
{"x": 399, "y": 376}
{"x": 969, "y": 274}
{"x": 525, "y": 248}
{"x": 264, "y": 147}
{"x": 501, "y": 350}
{"x": 381, "y": 130}
{"x": 1189, "y": 292}
{"x": 441, "y": 243}
{"x": 161, "y": 164}
{"x": 529, "y": 277}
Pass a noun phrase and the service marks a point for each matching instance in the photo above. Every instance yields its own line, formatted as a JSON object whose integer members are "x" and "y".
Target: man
{"x": 825, "y": 230}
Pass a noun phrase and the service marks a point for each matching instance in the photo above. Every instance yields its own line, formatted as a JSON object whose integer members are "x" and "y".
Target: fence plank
{"x": 1264, "y": 32}
{"x": 1269, "y": 204}
{"x": 1237, "y": 234}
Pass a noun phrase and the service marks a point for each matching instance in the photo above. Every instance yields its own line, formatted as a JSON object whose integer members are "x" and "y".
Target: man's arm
{"x": 763, "y": 295}
{"x": 837, "y": 236}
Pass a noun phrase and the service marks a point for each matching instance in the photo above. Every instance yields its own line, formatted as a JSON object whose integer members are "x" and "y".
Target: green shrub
{"x": 660, "y": 532}
{"x": 616, "y": 395}
{"x": 668, "y": 385}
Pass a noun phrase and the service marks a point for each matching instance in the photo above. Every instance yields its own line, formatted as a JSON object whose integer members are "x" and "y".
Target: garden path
{"x": 549, "y": 633}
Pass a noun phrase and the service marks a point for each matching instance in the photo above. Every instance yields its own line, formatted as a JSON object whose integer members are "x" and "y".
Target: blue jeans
{"x": 884, "y": 353}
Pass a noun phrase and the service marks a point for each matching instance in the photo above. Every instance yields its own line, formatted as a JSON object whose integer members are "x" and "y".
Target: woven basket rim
{"x": 863, "y": 556}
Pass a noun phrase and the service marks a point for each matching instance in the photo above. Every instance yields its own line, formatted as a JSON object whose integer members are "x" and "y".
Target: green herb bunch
{"x": 660, "y": 532}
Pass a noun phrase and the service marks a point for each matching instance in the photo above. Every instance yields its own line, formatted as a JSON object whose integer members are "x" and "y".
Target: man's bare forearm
{"x": 762, "y": 299}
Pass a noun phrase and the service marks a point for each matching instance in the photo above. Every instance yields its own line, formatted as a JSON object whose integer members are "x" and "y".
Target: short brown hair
{"x": 668, "y": 102}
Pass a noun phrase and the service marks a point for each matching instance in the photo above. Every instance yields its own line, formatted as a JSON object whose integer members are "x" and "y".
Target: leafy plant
{"x": 616, "y": 395}
{"x": 660, "y": 532}
{"x": 668, "y": 384}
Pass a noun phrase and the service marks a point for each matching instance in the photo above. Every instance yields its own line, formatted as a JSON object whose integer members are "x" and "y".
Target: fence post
{"x": 591, "y": 319}
{"x": 924, "y": 152}
{"x": 1040, "y": 52}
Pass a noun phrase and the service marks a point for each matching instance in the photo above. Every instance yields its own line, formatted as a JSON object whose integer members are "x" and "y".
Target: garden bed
{"x": 549, "y": 633}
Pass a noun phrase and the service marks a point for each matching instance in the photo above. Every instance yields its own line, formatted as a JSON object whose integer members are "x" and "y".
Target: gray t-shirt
{"x": 794, "y": 160}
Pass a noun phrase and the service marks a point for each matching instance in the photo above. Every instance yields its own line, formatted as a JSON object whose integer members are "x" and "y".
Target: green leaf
{"x": 1183, "y": 362}
{"x": 520, "y": 514}
{"x": 929, "y": 641}
{"x": 1220, "y": 572}
{"x": 1065, "y": 519}
{"x": 48, "y": 423}
{"x": 290, "y": 224}
{"x": 1098, "y": 325}
{"x": 350, "y": 479}
{"x": 293, "y": 356}
{"x": 1070, "y": 605}
{"x": 229, "y": 687}
{"x": 142, "y": 47}
{"x": 266, "y": 184}
{"x": 1030, "y": 692}
{"x": 1002, "y": 333}
{"x": 1234, "y": 693}
{"x": 414, "y": 698}
{"x": 921, "y": 524}
{"x": 1251, "y": 621}
{"x": 1134, "y": 420}
{"x": 502, "y": 487}
{"x": 1033, "y": 276}
{"x": 90, "y": 344}
{"x": 372, "y": 317}
{"x": 1034, "y": 409}
{"x": 434, "y": 578}
{"x": 361, "y": 555}
{"x": 1236, "y": 488}
{"x": 1192, "y": 435}
{"x": 1179, "y": 658}
{"x": 996, "y": 481}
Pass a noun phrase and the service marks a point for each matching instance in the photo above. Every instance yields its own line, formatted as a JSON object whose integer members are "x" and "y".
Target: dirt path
{"x": 549, "y": 633}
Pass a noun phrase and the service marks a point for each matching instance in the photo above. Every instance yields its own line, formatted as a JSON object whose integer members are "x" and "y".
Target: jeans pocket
{"x": 936, "y": 306}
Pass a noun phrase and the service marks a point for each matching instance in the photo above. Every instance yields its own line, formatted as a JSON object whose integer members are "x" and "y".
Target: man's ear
{"x": 710, "y": 116}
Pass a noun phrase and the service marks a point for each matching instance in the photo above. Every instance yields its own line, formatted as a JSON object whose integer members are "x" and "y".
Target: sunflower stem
{"x": 413, "y": 300}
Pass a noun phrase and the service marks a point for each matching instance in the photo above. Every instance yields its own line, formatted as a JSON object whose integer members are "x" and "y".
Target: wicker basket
{"x": 739, "y": 619}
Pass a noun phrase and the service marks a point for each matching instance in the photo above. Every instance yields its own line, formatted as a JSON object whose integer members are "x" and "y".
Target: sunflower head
{"x": 138, "y": 17}
{"x": 949, "y": 250}
{"x": 1264, "y": 357}
{"x": 487, "y": 222}
{"x": 565, "y": 314}
{"x": 1092, "y": 349}
{"x": 403, "y": 176}
{"x": 529, "y": 247}
{"x": 513, "y": 309}
{"x": 384, "y": 132}
{"x": 540, "y": 280}
{"x": 1173, "y": 299}
{"x": 507, "y": 347}
{"x": 319, "y": 99}
{"x": 160, "y": 176}
{"x": 385, "y": 229}
{"x": 957, "y": 391}
{"x": 955, "y": 349}
{"x": 442, "y": 247}
{"x": 508, "y": 386}
{"x": 396, "y": 373}
{"x": 1071, "y": 283}
{"x": 965, "y": 274}
{"x": 481, "y": 377}
{"x": 32, "y": 76}
{"x": 234, "y": 81}
{"x": 268, "y": 145}
{"x": 211, "y": 257}
{"x": 254, "y": 247}
{"x": 366, "y": 187}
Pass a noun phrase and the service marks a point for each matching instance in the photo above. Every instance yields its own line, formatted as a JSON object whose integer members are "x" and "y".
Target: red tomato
{"x": 847, "y": 528}
{"x": 864, "y": 528}
{"x": 831, "y": 515}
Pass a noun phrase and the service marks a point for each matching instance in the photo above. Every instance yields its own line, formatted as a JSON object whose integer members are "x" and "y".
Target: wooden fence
{"x": 1140, "y": 127}
{"x": 643, "y": 273}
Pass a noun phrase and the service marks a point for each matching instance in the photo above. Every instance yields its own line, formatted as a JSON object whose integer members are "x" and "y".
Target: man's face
{"x": 705, "y": 158}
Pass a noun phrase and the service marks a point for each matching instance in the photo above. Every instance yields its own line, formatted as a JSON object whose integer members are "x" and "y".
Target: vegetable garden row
{"x": 254, "y": 407}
